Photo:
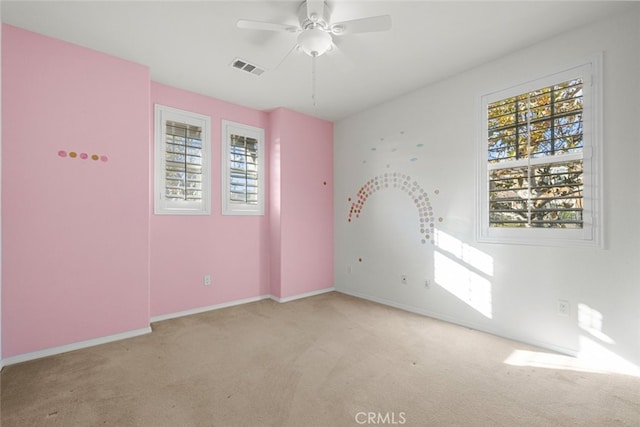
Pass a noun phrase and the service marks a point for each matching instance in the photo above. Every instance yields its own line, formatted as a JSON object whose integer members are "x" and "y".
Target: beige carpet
{"x": 329, "y": 360}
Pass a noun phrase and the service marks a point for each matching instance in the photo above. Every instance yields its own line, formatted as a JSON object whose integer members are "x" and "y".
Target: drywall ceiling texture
{"x": 411, "y": 162}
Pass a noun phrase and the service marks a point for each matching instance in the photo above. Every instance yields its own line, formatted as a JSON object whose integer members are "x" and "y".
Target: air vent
{"x": 243, "y": 65}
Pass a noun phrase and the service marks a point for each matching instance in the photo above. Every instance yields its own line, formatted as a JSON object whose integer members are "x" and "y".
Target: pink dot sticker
{"x": 104, "y": 158}
{"x": 62, "y": 153}
{"x": 84, "y": 156}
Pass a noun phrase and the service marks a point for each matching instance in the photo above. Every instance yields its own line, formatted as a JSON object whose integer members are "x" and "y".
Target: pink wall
{"x": 74, "y": 231}
{"x": 232, "y": 249}
{"x": 276, "y": 126}
{"x": 305, "y": 225}
{"x": 84, "y": 256}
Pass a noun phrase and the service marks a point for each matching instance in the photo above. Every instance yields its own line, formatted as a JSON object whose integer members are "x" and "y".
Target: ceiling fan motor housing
{"x": 320, "y": 21}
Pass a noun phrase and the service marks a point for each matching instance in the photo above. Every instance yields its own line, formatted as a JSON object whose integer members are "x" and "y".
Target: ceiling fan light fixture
{"x": 315, "y": 41}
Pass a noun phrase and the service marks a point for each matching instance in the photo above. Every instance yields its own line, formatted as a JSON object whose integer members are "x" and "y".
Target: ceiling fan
{"x": 315, "y": 27}
{"x": 316, "y": 30}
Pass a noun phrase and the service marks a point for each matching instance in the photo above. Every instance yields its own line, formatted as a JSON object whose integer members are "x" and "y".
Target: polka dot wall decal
{"x": 83, "y": 156}
{"x": 419, "y": 145}
{"x": 413, "y": 159}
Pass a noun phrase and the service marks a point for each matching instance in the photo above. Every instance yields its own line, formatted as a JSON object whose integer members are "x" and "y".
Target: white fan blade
{"x": 266, "y": 26}
{"x": 363, "y": 25}
{"x": 315, "y": 10}
{"x": 339, "y": 60}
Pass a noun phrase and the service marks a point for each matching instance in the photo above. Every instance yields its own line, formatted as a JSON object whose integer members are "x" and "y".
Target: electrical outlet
{"x": 427, "y": 283}
{"x": 206, "y": 280}
{"x": 403, "y": 279}
{"x": 564, "y": 308}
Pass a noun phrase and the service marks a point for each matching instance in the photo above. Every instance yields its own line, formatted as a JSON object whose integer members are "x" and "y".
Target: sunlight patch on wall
{"x": 592, "y": 356}
{"x": 464, "y": 252}
{"x": 461, "y": 270}
{"x": 590, "y": 320}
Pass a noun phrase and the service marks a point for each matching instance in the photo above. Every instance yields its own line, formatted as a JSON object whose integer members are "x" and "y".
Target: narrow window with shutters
{"x": 242, "y": 169}
{"x": 182, "y": 166}
{"x": 183, "y": 161}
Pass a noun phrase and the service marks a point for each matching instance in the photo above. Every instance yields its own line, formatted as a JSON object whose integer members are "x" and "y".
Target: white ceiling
{"x": 191, "y": 44}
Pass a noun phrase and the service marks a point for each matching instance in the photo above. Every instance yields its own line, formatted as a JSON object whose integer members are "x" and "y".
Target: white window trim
{"x": 591, "y": 233}
{"x": 229, "y": 128}
{"x": 162, "y": 206}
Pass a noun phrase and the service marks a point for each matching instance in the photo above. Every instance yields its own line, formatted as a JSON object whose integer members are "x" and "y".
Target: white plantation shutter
{"x": 242, "y": 169}
{"x": 183, "y": 161}
{"x": 182, "y": 166}
{"x": 535, "y": 150}
{"x": 539, "y": 180}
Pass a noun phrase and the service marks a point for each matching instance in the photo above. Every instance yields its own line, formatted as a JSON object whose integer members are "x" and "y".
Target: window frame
{"x": 163, "y": 206}
{"x": 232, "y": 128}
{"x": 591, "y": 232}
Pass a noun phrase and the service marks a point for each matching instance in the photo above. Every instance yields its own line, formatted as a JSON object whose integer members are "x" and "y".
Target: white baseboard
{"x": 558, "y": 349}
{"x": 305, "y": 295}
{"x": 130, "y": 334}
{"x": 204, "y": 309}
{"x": 74, "y": 346}
{"x": 208, "y": 308}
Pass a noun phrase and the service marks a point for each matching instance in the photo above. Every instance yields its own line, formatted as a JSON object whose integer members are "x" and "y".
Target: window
{"x": 182, "y": 165}
{"x": 242, "y": 169}
{"x": 539, "y": 160}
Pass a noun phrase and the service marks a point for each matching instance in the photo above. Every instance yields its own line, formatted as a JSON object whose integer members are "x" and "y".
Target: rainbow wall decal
{"x": 402, "y": 182}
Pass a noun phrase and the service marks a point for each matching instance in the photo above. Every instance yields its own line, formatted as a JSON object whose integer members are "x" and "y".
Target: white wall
{"x": 513, "y": 291}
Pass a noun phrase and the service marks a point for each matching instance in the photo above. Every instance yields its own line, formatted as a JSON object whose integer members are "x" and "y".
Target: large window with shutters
{"x": 242, "y": 169}
{"x": 182, "y": 162}
{"x": 539, "y": 160}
